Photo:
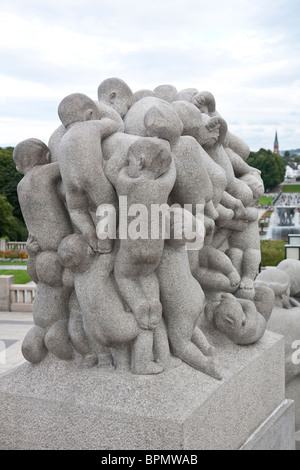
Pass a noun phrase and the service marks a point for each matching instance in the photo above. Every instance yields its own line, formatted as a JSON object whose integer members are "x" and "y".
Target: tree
{"x": 7, "y": 220}
{"x": 271, "y": 166}
{"x": 13, "y": 224}
{"x": 9, "y": 179}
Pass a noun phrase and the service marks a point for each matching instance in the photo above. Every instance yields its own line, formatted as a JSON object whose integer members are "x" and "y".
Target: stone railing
{"x": 12, "y": 246}
{"x": 15, "y": 297}
{"x": 16, "y": 246}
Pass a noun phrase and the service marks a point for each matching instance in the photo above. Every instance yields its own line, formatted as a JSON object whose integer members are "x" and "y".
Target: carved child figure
{"x": 183, "y": 298}
{"x": 239, "y": 319}
{"x": 148, "y": 179}
{"x": 80, "y": 162}
{"x": 244, "y": 250}
{"x": 48, "y": 223}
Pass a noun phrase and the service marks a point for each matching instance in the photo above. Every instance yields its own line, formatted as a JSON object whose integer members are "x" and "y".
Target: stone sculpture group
{"x": 137, "y": 303}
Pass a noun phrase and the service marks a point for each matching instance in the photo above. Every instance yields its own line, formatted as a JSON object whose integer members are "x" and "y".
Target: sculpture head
{"x": 148, "y": 155}
{"x": 242, "y": 327}
{"x": 162, "y": 121}
{"x": 279, "y": 281}
{"x": 255, "y": 183}
{"x": 205, "y": 101}
{"x": 211, "y": 131}
{"x": 166, "y": 92}
{"x": 153, "y": 117}
{"x": 187, "y": 94}
{"x": 30, "y": 153}
{"x": 116, "y": 93}
{"x": 75, "y": 253}
{"x": 140, "y": 94}
{"x": 292, "y": 268}
{"x": 77, "y": 107}
{"x": 190, "y": 117}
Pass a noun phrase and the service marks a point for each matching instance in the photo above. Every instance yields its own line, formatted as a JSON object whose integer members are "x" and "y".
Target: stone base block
{"x": 297, "y": 438}
{"x": 277, "y": 432}
{"x": 293, "y": 393}
{"x": 55, "y": 405}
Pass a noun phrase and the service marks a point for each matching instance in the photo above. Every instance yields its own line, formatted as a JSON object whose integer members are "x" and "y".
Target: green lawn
{"x": 291, "y": 188}
{"x": 13, "y": 263}
{"x": 21, "y": 277}
{"x": 266, "y": 200}
{"x": 272, "y": 252}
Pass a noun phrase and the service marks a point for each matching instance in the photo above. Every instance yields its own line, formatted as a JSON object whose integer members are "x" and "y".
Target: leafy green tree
{"x": 7, "y": 220}
{"x": 9, "y": 179}
{"x": 13, "y": 227}
{"x": 271, "y": 166}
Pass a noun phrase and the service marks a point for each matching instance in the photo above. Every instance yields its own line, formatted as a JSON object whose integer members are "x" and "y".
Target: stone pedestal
{"x": 293, "y": 393}
{"x": 55, "y": 405}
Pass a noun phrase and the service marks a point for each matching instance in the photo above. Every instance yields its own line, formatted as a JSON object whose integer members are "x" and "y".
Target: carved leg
{"x": 200, "y": 340}
{"x": 161, "y": 348}
{"x": 142, "y": 357}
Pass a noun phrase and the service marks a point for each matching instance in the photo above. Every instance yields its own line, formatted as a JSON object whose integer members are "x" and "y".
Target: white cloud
{"x": 246, "y": 53}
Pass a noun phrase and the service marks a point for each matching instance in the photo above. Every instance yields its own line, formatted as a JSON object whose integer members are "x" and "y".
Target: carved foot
{"x": 234, "y": 278}
{"x": 213, "y": 370}
{"x": 89, "y": 361}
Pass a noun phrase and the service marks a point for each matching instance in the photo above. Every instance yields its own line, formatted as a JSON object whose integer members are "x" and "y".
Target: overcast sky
{"x": 246, "y": 52}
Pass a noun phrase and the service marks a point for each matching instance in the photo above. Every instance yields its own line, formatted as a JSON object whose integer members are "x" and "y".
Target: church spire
{"x": 276, "y": 144}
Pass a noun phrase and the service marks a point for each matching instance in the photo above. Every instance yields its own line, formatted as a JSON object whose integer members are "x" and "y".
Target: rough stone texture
{"x": 292, "y": 268}
{"x": 276, "y": 433}
{"x": 280, "y": 282}
{"x": 293, "y": 393}
{"x": 297, "y": 436}
{"x": 54, "y": 405}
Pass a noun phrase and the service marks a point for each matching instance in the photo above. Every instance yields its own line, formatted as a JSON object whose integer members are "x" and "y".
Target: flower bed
{"x": 13, "y": 255}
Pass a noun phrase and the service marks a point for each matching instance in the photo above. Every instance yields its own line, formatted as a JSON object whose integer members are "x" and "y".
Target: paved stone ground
{"x": 12, "y": 267}
{"x": 13, "y": 328}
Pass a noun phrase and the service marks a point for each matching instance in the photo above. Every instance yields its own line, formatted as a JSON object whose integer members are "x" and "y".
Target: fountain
{"x": 283, "y": 221}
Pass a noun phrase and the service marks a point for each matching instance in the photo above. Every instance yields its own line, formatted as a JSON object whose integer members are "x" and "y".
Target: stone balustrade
{"x": 15, "y": 297}
{"x": 12, "y": 246}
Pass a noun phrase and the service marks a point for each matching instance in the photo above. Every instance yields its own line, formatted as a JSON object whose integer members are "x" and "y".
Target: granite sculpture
{"x": 142, "y": 223}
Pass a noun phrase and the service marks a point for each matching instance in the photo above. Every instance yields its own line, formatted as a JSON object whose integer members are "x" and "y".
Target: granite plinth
{"x": 55, "y": 405}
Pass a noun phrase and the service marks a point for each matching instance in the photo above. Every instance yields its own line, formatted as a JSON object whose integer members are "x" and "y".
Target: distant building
{"x": 276, "y": 144}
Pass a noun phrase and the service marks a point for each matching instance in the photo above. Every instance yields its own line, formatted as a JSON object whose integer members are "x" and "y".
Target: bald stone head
{"x": 116, "y": 93}
{"x": 77, "y": 107}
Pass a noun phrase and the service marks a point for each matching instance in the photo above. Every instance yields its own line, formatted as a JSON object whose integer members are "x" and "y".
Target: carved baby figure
{"x": 208, "y": 132}
{"x": 157, "y": 118}
{"x": 244, "y": 247}
{"x": 148, "y": 179}
{"x": 107, "y": 324}
{"x": 242, "y": 320}
{"x": 80, "y": 163}
{"x": 48, "y": 222}
{"x": 182, "y": 298}
{"x": 237, "y": 150}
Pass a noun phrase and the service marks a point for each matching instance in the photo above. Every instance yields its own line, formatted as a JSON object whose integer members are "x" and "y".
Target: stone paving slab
{"x": 10, "y": 267}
